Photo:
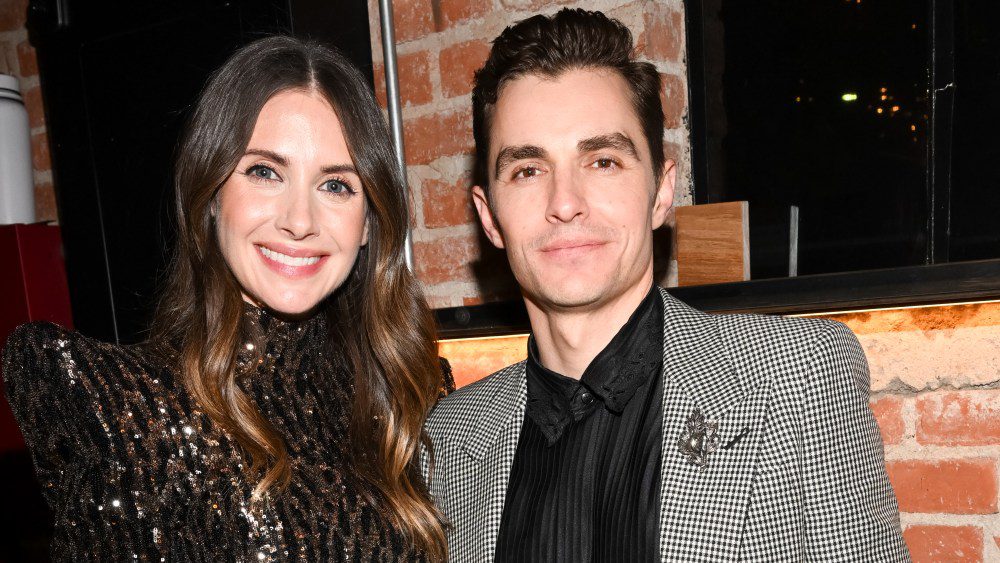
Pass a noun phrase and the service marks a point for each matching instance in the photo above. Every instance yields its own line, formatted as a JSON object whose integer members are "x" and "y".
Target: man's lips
{"x": 576, "y": 244}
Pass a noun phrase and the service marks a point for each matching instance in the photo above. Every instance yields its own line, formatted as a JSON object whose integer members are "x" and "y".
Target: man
{"x": 638, "y": 429}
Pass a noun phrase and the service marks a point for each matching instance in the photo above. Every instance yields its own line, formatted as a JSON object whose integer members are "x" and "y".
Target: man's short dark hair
{"x": 551, "y": 45}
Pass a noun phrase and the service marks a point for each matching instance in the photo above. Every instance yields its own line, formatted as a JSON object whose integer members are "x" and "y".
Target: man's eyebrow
{"x": 282, "y": 161}
{"x": 619, "y": 141}
{"x": 511, "y": 154}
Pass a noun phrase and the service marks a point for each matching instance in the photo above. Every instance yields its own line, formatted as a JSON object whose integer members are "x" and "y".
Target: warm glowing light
{"x": 884, "y": 97}
{"x": 849, "y": 97}
{"x": 895, "y": 308}
{"x": 883, "y": 90}
{"x": 879, "y": 110}
{"x": 913, "y": 127}
{"x": 474, "y": 358}
{"x": 798, "y": 99}
{"x": 895, "y": 109}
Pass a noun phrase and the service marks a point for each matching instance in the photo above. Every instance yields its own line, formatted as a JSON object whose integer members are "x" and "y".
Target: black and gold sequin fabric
{"x": 133, "y": 472}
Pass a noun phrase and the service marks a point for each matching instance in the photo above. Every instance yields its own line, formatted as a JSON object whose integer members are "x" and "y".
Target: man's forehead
{"x": 563, "y": 110}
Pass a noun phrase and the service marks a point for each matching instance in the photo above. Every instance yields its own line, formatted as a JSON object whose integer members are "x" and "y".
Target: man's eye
{"x": 259, "y": 171}
{"x": 605, "y": 163}
{"x": 526, "y": 172}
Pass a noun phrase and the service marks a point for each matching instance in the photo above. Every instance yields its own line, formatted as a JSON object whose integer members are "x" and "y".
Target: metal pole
{"x": 395, "y": 108}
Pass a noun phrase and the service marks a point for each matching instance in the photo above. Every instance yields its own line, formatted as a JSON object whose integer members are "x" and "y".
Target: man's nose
{"x": 567, "y": 198}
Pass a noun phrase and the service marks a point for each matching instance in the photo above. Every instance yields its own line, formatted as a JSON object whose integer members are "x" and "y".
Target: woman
{"x": 276, "y": 412}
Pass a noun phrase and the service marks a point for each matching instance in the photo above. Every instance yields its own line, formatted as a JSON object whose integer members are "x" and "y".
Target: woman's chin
{"x": 290, "y": 307}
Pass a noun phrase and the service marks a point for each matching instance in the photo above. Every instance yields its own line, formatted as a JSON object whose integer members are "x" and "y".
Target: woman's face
{"x": 291, "y": 217}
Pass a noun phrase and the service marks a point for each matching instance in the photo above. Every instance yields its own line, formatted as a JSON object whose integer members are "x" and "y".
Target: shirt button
{"x": 586, "y": 398}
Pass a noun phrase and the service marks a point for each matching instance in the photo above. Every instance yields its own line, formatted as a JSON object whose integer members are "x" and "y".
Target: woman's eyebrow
{"x": 280, "y": 160}
{"x": 346, "y": 168}
{"x": 339, "y": 169}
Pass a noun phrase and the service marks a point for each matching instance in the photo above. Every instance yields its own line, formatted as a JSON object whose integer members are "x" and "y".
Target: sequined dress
{"x": 134, "y": 472}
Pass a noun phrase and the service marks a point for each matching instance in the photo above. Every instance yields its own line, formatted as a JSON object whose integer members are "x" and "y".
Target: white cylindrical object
{"x": 17, "y": 186}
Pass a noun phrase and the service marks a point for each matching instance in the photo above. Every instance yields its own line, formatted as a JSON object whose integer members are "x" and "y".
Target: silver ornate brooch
{"x": 699, "y": 439}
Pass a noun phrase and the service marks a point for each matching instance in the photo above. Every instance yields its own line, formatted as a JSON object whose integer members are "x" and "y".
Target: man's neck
{"x": 568, "y": 340}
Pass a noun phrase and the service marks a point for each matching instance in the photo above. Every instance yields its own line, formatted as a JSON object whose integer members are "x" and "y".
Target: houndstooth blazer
{"x": 799, "y": 474}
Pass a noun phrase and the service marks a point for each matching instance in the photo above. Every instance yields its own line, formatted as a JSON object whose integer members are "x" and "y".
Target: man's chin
{"x": 567, "y": 296}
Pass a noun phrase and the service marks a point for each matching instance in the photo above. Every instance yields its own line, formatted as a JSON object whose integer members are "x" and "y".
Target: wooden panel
{"x": 713, "y": 243}
{"x": 474, "y": 358}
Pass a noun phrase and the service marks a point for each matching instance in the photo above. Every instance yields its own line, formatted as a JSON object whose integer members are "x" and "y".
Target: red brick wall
{"x": 935, "y": 372}
{"x": 17, "y": 57}
{"x": 439, "y": 45}
{"x": 935, "y": 375}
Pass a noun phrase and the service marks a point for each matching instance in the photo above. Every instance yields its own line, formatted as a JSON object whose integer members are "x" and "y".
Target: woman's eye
{"x": 259, "y": 171}
{"x": 337, "y": 187}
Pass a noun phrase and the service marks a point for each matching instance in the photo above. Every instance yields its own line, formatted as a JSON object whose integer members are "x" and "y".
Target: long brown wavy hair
{"x": 378, "y": 317}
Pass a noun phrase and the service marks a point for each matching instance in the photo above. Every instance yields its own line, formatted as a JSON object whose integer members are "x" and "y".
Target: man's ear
{"x": 486, "y": 218}
{"x": 664, "y": 197}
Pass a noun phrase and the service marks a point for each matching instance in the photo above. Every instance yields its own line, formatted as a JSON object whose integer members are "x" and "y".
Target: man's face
{"x": 574, "y": 199}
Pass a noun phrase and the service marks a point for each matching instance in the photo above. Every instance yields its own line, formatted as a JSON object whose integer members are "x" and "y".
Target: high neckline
{"x": 269, "y": 322}
{"x": 265, "y": 333}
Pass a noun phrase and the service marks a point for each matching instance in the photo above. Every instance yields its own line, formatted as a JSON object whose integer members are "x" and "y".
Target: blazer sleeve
{"x": 850, "y": 510}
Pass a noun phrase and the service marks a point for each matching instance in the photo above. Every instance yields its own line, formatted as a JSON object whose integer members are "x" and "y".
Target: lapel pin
{"x": 699, "y": 439}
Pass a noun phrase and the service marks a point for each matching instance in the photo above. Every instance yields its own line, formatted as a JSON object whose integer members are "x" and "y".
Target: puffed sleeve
{"x": 46, "y": 396}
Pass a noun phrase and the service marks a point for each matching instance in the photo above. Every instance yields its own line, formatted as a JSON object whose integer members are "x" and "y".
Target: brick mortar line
{"x": 14, "y": 36}
{"x": 28, "y": 82}
{"x": 896, "y": 387}
{"x": 447, "y": 289}
{"x": 439, "y": 106}
{"x": 434, "y": 235}
{"x": 908, "y": 412}
{"x": 943, "y": 519}
{"x": 917, "y": 452}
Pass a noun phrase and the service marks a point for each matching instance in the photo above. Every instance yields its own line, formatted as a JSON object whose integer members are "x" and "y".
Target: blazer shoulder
{"x": 791, "y": 334}
{"x": 766, "y": 346}
{"x": 468, "y": 401}
{"x": 756, "y": 326}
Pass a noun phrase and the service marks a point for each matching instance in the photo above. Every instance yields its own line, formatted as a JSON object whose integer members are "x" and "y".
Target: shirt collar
{"x": 613, "y": 376}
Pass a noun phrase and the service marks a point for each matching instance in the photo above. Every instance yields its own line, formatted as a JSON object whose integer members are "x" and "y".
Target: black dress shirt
{"x": 585, "y": 482}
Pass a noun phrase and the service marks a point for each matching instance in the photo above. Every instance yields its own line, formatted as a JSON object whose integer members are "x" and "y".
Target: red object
{"x": 32, "y": 288}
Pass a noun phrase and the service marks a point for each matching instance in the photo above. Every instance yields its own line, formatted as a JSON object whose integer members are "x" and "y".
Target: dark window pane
{"x": 975, "y": 187}
{"x": 823, "y": 105}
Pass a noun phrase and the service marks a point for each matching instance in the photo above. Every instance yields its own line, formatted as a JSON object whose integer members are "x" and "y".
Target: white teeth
{"x": 288, "y": 260}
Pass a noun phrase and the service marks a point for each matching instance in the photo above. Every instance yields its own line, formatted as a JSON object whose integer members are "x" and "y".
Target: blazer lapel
{"x": 702, "y": 510}
{"x": 492, "y": 442}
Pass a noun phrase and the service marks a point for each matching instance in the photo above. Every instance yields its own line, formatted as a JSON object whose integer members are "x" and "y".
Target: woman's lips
{"x": 291, "y": 262}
